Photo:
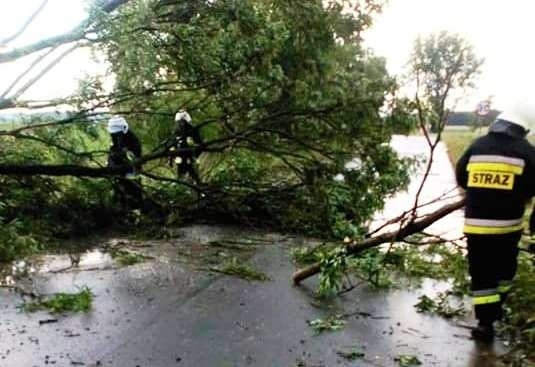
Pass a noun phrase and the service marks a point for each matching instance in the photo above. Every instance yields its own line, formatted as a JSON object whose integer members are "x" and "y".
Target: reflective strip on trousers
{"x": 491, "y": 226}
{"x": 486, "y": 296}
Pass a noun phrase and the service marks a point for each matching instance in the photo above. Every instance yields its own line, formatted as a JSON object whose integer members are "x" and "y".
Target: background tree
{"x": 440, "y": 66}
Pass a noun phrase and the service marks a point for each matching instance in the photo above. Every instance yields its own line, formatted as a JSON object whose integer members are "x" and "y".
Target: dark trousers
{"x": 128, "y": 193}
{"x": 187, "y": 167}
{"x": 492, "y": 261}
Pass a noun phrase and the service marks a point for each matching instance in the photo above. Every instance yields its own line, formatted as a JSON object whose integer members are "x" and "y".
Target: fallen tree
{"x": 277, "y": 99}
{"x": 412, "y": 227}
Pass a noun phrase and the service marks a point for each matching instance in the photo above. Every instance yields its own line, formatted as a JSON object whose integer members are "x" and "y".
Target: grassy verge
{"x": 458, "y": 140}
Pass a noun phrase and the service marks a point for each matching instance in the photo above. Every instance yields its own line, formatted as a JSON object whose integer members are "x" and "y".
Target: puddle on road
{"x": 96, "y": 258}
{"x": 197, "y": 246}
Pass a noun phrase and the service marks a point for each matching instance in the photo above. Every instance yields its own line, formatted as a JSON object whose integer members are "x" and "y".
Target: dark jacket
{"x": 187, "y": 136}
{"x": 121, "y": 145}
{"x": 498, "y": 173}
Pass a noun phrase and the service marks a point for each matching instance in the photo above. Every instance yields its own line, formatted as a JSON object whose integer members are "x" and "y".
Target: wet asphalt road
{"x": 161, "y": 313}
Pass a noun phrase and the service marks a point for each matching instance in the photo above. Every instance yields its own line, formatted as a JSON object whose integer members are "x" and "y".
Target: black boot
{"x": 484, "y": 332}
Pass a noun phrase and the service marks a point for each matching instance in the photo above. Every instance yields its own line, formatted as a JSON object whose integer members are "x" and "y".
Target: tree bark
{"x": 408, "y": 229}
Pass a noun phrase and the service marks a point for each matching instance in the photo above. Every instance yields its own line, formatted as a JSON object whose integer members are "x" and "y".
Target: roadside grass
{"x": 63, "y": 302}
{"x": 458, "y": 140}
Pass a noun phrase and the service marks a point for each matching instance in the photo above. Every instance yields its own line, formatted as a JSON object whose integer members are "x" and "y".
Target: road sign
{"x": 483, "y": 108}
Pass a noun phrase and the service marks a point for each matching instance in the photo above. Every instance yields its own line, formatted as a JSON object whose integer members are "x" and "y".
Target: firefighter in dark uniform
{"x": 498, "y": 173}
{"x": 124, "y": 149}
{"x": 187, "y": 141}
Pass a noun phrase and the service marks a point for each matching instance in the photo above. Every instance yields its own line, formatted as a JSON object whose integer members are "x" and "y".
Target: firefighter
{"x": 187, "y": 141}
{"x": 125, "y": 148}
{"x": 498, "y": 173}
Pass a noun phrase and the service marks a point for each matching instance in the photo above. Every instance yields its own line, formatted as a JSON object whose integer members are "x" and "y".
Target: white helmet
{"x": 182, "y": 115}
{"x": 117, "y": 124}
{"x": 521, "y": 113}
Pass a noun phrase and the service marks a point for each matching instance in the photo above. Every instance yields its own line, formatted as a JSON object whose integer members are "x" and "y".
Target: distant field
{"x": 458, "y": 140}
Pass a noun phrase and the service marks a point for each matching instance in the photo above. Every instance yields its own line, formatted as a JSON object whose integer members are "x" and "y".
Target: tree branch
{"x": 6, "y": 40}
{"x": 397, "y": 235}
{"x": 74, "y": 35}
{"x": 60, "y": 170}
{"x": 25, "y": 72}
{"x": 35, "y": 79}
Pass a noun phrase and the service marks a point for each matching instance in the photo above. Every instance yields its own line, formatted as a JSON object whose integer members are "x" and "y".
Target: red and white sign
{"x": 483, "y": 108}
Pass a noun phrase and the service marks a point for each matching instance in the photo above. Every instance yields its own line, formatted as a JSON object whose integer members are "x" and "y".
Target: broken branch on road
{"x": 407, "y": 229}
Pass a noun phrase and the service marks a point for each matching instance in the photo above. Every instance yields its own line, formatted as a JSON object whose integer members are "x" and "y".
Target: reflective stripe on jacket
{"x": 498, "y": 173}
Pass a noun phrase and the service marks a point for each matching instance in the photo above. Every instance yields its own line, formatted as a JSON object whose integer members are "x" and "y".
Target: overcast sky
{"x": 500, "y": 31}
{"x": 58, "y": 17}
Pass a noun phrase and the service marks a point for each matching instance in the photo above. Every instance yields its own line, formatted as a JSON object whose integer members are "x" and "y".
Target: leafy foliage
{"x": 332, "y": 323}
{"x": 440, "y": 65}
{"x": 370, "y": 266}
{"x": 351, "y": 354}
{"x": 381, "y": 268}
{"x": 127, "y": 258}
{"x": 520, "y": 314}
{"x": 333, "y": 265}
{"x": 16, "y": 242}
{"x": 236, "y": 267}
{"x": 284, "y": 96}
{"x": 64, "y": 302}
{"x": 306, "y": 255}
{"x": 406, "y": 360}
{"x": 440, "y": 306}
{"x": 282, "y": 105}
